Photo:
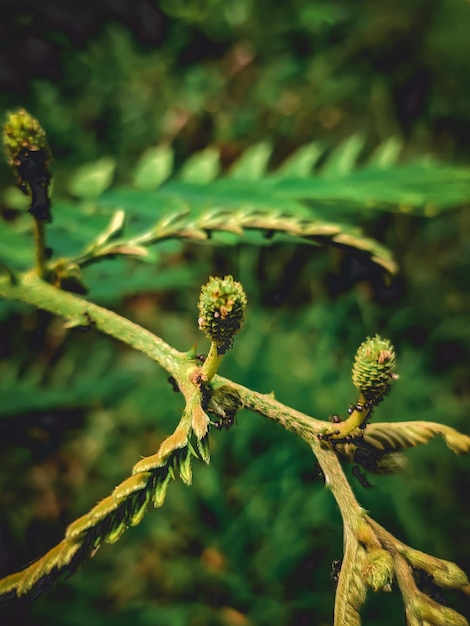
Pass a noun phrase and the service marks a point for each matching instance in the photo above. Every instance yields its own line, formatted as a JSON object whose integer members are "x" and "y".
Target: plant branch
{"x": 30, "y": 289}
{"x": 129, "y": 501}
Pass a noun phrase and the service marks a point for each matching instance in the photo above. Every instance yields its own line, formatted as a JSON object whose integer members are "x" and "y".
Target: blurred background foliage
{"x": 252, "y": 541}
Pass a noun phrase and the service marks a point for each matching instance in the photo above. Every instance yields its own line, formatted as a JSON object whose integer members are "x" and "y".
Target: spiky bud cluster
{"x": 29, "y": 155}
{"x": 222, "y": 307}
{"x": 22, "y": 130}
{"x": 373, "y": 368}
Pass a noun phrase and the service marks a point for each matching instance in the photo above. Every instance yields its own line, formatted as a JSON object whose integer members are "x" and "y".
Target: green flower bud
{"x": 222, "y": 307}
{"x": 373, "y": 367}
{"x": 22, "y": 130}
{"x": 29, "y": 155}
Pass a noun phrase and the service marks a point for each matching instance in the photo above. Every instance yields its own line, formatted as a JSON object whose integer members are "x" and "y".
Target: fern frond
{"x": 71, "y": 381}
{"x": 379, "y": 449}
{"x": 109, "y": 519}
{"x": 398, "y": 436}
{"x": 237, "y": 222}
{"x": 420, "y": 189}
{"x": 311, "y": 206}
{"x": 420, "y": 608}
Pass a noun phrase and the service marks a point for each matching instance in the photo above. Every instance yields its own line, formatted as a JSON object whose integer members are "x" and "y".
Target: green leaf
{"x": 114, "y": 229}
{"x": 421, "y": 189}
{"x": 185, "y": 467}
{"x": 13, "y": 198}
{"x": 201, "y": 168}
{"x": 161, "y": 486}
{"x": 153, "y": 168}
{"x": 90, "y": 180}
{"x": 253, "y": 162}
{"x": 387, "y": 153}
{"x": 73, "y": 381}
{"x": 343, "y": 159}
{"x": 300, "y": 164}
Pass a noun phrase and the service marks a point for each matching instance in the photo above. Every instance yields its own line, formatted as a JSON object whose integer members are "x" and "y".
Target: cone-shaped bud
{"x": 22, "y": 130}
{"x": 378, "y": 570}
{"x": 222, "y": 307}
{"x": 29, "y": 155}
{"x": 373, "y": 368}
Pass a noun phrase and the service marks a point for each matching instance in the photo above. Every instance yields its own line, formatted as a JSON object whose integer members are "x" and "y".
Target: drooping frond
{"x": 315, "y": 196}
{"x": 398, "y": 436}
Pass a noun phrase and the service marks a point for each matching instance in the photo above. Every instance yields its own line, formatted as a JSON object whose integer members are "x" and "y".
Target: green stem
{"x": 352, "y": 423}
{"x": 265, "y": 404}
{"x": 40, "y": 245}
{"x": 351, "y": 511}
{"x": 212, "y": 363}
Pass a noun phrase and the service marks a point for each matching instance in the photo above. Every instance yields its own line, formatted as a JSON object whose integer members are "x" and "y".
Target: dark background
{"x": 253, "y": 540}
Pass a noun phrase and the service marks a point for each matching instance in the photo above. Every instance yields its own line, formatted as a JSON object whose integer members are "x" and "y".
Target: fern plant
{"x": 293, "y": 202}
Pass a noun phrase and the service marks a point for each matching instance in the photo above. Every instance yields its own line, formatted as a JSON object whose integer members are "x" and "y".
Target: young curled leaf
{"x": 116, "y": 532}
{"x": 161, "y": 486}
{"x": 200, "y": 421}
{"x": 427, "y": 610}
{"x": 185, "y": 467}
{"x": 203, "y": 448}
{"x": 139, "y": 508}
{"x": 114, "y": 229}
{"x": 446, "y": 574}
